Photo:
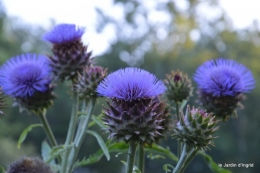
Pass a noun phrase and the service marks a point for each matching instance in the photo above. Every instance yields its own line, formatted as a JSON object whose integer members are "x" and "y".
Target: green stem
{"x": 189, "y": 158}
{"x": 81, "y": 132}
{"x": 71, "y": 132}
{"x": 177, "y": 111}
{"x": 131, "y": 157}
{"x": 141, "y": 160}
{"x": 181, "y": 161}
{"x": 178, "y": 119}
{"x": 48, "y": 130}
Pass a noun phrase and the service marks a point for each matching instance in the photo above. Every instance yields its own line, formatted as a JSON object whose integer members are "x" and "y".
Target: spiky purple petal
{"x": 223, "y": 77}
{"x": 23, "y": 75}
{"x": 131, "y": 84}
{"x": 64, "y": 33}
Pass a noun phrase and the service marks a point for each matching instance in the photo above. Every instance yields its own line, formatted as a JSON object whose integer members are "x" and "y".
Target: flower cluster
{"x": 221, "y": 85}
{"x": 135, "y": 112}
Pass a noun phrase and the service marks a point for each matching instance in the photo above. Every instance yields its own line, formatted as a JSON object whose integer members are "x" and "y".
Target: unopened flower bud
{"x": 196, "y": 128}
{"x": 178, "y": 85}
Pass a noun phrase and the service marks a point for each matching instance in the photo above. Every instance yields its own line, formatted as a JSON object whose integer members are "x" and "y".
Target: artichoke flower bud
{"x": 69, "y": 53}
{"x": 27, "y": 79}
{"x": 136, "y": 120}
{"x": 221, "y": 86}
{"x": 178, "y": 85}
{"x": 88, "y": 81}
{"x": 38, "y": 102}
{"x": 196, "y": 128}
{"x": 134, "y": 112}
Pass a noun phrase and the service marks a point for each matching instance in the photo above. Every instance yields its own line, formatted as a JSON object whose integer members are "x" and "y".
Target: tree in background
{"x": 159, "y": 37}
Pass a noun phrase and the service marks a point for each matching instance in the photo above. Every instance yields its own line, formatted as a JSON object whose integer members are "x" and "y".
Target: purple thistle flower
{"x": 23, "y": 75}
{"x": 64, "y": 33}
{"x": 134, "y": 112}
{"x": 131, "y": 84}
{"x": 223, "y": 77}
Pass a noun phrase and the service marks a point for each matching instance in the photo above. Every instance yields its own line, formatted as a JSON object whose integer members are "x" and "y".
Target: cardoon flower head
{"x": 29, "y": 165}
{"x": 131, "y": 84}
{"x": 88, "y": 81}
{"x": 196, "y": 128}
{"x": 134, "y": 113}
{"x": 178, "y": 86}
{"x": 64, "y": 33}
{"x": 221, "y": 85}
{"x": 70, "y": 55}
{"x": 25, "y": 78}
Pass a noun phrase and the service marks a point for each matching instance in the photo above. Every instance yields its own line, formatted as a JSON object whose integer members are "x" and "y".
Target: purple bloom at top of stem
{"x": 64, "y": 33}
{"x": 23, "y": 75}
{"x": 131, "y": 84}
{"x": 223, "y": 77}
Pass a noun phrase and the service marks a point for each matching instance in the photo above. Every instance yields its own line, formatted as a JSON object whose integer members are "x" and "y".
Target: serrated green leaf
{"x": 161, "y": 150}
{"x": 25, "y": 132}
{"x": 90, "y": 160}
{"x": 101, "y": 143}
{"x": 56, "y": 151}
{"x": 2, "y": 170}
{"x": 165, "y": 167}
{"x": 112, "y": 147}
{"x": 213, "y": 165}
{"x": 118, "y": 147}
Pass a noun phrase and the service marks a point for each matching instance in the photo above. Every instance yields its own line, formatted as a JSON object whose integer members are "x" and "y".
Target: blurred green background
{"x": 183, "y": 42}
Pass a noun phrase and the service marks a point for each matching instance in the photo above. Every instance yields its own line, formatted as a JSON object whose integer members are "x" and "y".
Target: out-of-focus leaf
{"x": 157, "y": 156}
{"x": 93, "y": 122}
{"x": 212, "y": 165}
{"x": 98, "y": 121}
{"x": 25, "y": 132}
{"x": 46, "y": 149}
{"x": 161, "y": 150}
{"x": 165, "y": 167}
{"x": 56, "y": 151}
{"x": 2, "y": 170}
{"x": 183, "y": 104}
{"x": 135, "y": 168}
{"x": 101, "y": 143}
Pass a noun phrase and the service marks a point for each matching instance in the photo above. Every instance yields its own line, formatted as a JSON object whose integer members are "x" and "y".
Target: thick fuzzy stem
{"x": 131, "y": 157}
{"x": 141, "y": 158}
